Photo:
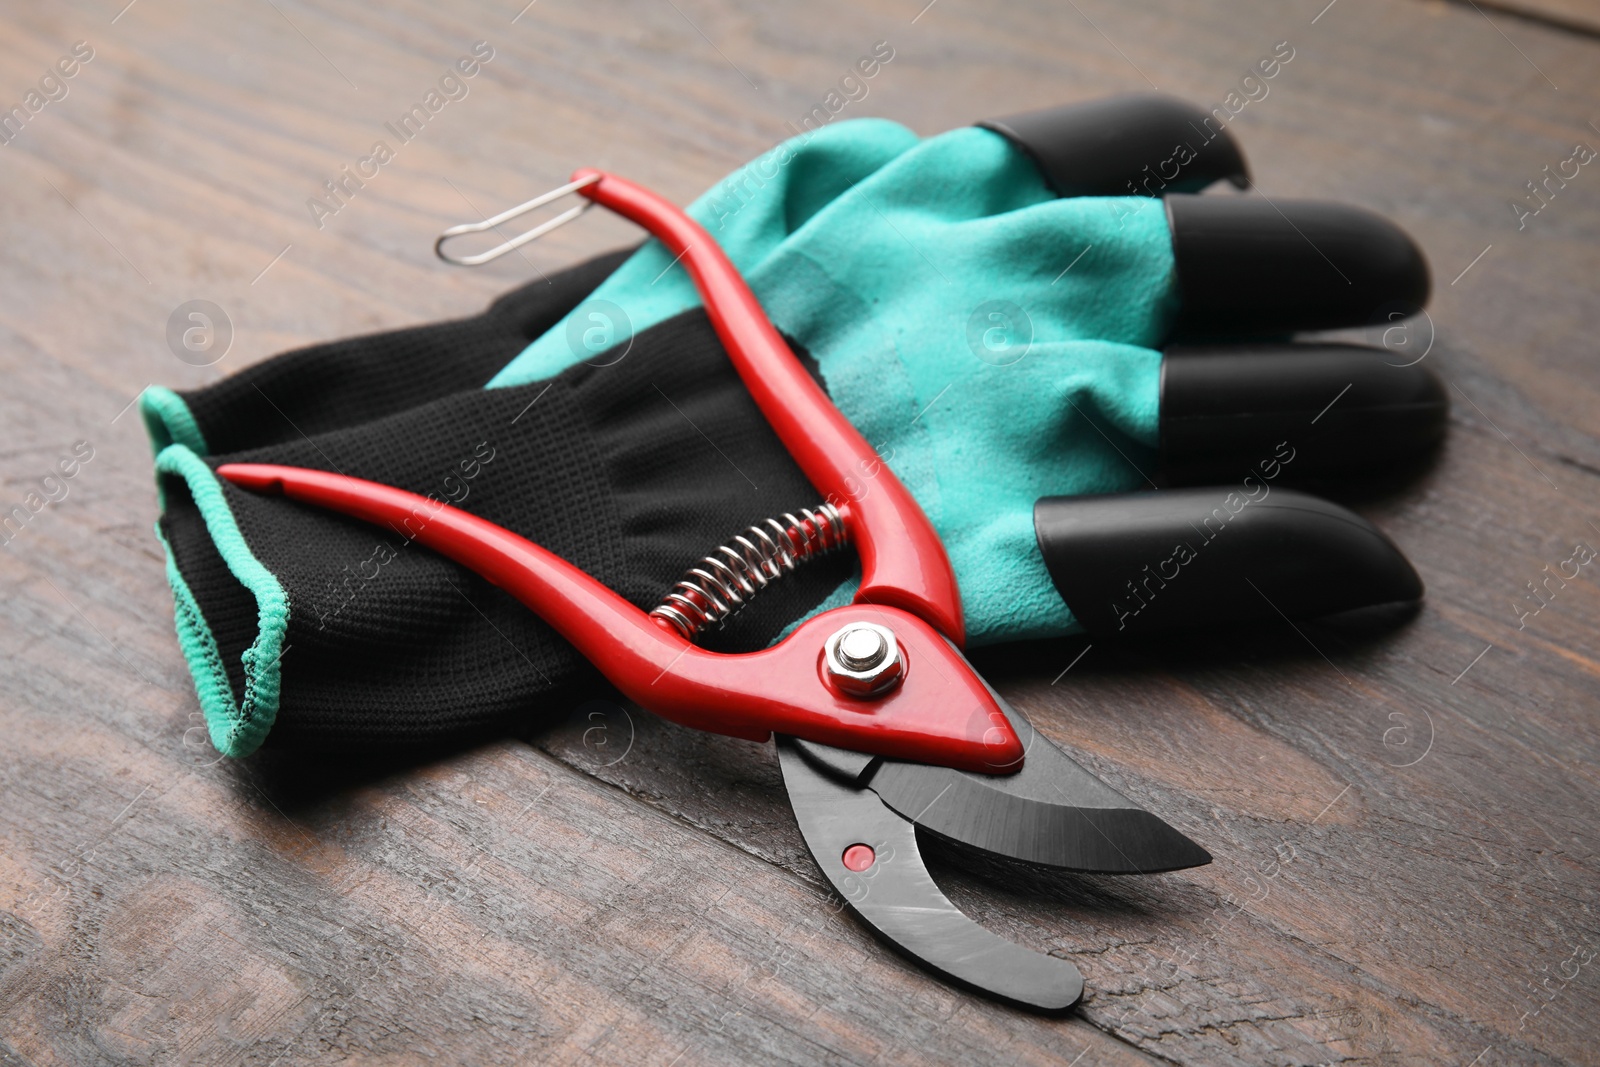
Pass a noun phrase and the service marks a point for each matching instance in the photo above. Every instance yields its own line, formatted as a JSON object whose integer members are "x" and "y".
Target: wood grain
{"x": 1403, "y": 820}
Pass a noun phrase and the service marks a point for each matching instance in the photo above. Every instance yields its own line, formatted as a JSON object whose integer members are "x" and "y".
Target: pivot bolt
{"x": 862, "y": 648}
{"x": 864, "y": 660}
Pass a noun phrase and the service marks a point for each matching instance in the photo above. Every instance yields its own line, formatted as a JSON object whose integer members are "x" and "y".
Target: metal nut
{"x": 863, "y": 660}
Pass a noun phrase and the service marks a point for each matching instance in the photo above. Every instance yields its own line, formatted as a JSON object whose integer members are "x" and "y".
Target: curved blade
{"x": 897, "y": 897}
{"x": 1052, "y": 812}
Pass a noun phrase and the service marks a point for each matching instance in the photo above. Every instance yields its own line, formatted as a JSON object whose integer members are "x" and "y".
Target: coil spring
{"x": 720, "y": 584}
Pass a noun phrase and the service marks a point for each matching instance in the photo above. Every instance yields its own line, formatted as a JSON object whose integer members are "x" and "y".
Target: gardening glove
{"x": 994, "y": 340}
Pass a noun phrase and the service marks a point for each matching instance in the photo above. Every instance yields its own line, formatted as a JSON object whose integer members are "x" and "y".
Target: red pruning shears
{"x": 883, "y": 725}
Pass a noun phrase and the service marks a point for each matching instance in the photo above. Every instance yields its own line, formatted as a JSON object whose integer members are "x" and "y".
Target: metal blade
{"x": 1052, "y": 812}
{"x": 897, "y": 897}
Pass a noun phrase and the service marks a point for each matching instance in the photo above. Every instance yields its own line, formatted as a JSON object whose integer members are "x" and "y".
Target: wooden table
{"x": 1404, "y": 827}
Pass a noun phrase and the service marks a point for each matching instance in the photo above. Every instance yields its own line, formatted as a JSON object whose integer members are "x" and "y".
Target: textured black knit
{"x": 630, "y": 471}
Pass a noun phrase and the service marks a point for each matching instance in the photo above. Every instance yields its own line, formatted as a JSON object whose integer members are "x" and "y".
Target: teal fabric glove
{"x": 992, "y": 341}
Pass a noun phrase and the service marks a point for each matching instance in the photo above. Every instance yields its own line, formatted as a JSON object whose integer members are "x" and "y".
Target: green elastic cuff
{"x": 168, "y": 421}
{"x": 237, "y": 727}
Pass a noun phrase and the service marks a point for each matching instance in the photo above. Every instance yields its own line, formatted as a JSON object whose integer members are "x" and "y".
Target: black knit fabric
{"x": 345, "y": 383}
{"x": 630, "y": 471}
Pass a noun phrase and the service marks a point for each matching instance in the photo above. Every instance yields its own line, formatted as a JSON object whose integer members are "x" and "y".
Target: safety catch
{"x": 506, "y": 216}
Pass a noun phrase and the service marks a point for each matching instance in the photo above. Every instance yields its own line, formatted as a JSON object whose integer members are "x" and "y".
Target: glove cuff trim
{"x": 168, "y": 421}
{"x": 237, "y": 727}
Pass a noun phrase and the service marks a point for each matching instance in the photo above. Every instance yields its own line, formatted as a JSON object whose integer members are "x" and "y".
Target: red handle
{"x": 941, "y": 713}
{"x": 903, "y": 562}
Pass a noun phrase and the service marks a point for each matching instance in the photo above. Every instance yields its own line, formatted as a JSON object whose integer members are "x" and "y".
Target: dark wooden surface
{"x": 1404, "y": 825}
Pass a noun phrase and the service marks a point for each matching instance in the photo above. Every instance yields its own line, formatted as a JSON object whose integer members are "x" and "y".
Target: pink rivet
{"x": 859, "y": 857}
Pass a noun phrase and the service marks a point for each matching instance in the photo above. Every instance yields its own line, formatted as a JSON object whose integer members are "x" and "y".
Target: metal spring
{"x": 720, "y": 584}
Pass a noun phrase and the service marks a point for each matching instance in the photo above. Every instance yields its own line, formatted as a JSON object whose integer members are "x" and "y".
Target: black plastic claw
{"x": 1250, "y": 266}
{"x": 1345, "y": 409}
{"x": 1200, "y": 557}
{"x": 1141, "y": 144}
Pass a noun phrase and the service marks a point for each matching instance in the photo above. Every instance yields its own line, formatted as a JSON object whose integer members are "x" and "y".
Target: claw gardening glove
{"x": 996, "y": 342}
{"x": 934, "y": 297}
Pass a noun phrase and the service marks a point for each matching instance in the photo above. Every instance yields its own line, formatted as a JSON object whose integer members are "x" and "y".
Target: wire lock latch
{"x": 506, "y": 216}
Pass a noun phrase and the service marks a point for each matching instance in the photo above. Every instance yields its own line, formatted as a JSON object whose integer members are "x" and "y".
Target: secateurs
{"x": 882, "y": 726}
